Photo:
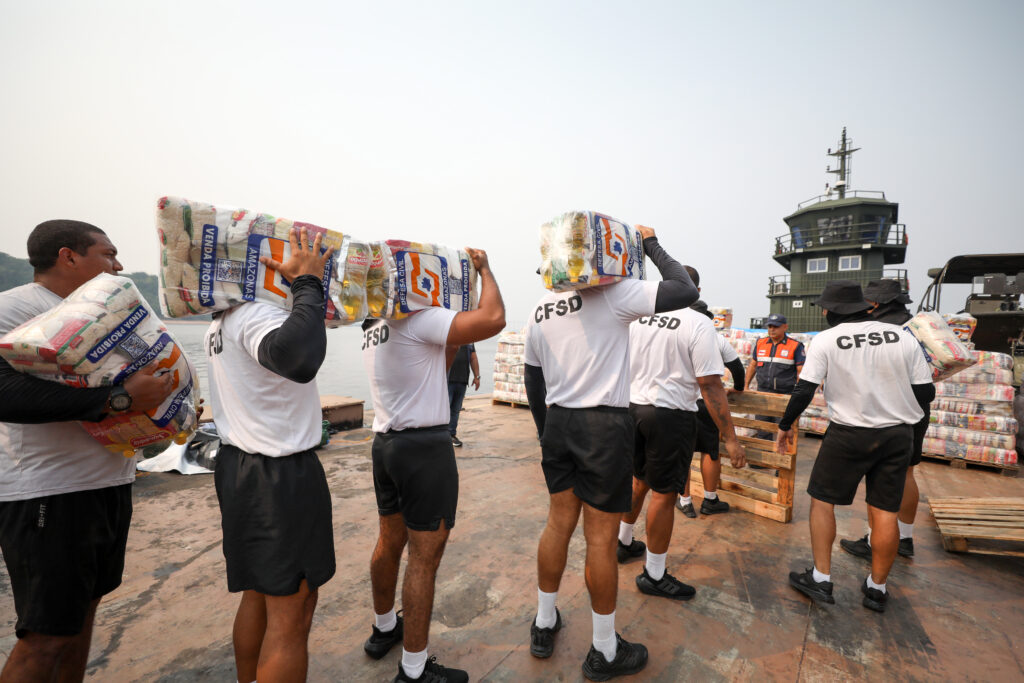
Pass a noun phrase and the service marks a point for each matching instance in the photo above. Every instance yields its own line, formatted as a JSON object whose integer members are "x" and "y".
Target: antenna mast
{"x": 845, "y": 169}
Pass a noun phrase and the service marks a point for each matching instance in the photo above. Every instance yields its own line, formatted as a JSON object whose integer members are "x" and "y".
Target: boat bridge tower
{"x": 842, "y": 235}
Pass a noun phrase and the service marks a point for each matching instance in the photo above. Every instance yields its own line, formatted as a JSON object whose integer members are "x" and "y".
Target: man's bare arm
{"x": 713, "y": 391}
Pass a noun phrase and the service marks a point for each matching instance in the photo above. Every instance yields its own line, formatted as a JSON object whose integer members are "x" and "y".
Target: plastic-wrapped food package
{"x": 354, "y": 261}
{"x": 993, "y": 360}
{"x": 972, "y": 437}
{"x": 429, "y": 275}
{"x": 967, "y": 407}
{"x": 102, "y": 333}
{"x": 962, "y": 324}
{"x": 980, "y": 392}
{"x": 209, "y": 258}
{"x": 723, "y": 317}
{"x": 581, "y": 249}
{"x": 817, "y": 425}
{"x": 380, "y": 282}
{"x": 509, "y": 366}
{"x": 978, "y": 374}
{"x": 945, "y": 353}
{"x": 953, "y": 449}
{"x": 982, "y": 423}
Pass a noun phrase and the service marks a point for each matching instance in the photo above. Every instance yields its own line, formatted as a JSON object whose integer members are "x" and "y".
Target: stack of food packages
{"x": 743, "y": 342}
{"x": 210, "y": 261}
{"x": 99, "y": 335}
{"x": 581, "y": 249}
{"x": 509, "y": 384}
{"x": 723, "y": 317}
{"x": 972, "y": 415}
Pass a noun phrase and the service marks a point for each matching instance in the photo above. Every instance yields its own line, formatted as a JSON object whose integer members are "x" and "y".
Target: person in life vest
{"x": 778, "y": 359}
{"x": 876, "y": 383}
{"x": 890, "y": 306}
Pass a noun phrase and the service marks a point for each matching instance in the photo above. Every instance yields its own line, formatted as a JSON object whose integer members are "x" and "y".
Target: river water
{"x": 342, "y": 372}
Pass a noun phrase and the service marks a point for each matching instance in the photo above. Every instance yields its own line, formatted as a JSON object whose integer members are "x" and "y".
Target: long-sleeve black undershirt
{"x": 735, "y": 366}
{"x": 676, "y": 290}
{"x": 25, "y": 399}
{"x": 536, "y": 394}
{"x": 804, "y": 392}
{"x": 296, "y": 350}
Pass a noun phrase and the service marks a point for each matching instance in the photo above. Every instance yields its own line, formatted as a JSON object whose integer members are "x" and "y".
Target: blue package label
{"x": 207, "y": 264}
{"x": 111, "y": 341}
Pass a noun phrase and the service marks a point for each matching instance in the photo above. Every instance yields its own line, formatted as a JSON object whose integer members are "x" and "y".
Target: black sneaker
{"x": 380, "y": 642}
{"x": 542, "y": 640}
{"x": 434, "y": 673}
{"x": 816, "y": 590}
{"x": 635, "y": 549}
{"x": 629, "y": 659}
{"x": 667, "y": 587}
{"x": 456, "y": 442}
{"x": 873, "y": 598}
{"x": 859, "y": 547}
{"x": 711, "y": 507}
{"x": 906, "y": 547}
{"x": 686, "y": 509}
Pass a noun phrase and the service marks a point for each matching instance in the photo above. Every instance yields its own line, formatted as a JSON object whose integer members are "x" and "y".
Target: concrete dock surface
{"x": 950, "y": 617}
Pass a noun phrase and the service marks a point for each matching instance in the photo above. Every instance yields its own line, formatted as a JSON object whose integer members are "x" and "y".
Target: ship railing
{"x": 813, "y": 283}
{"x": 874, "y": 233}
{"x": 867, "y": 194}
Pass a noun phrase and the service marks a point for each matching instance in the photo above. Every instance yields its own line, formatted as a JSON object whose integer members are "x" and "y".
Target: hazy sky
{"x": 471, "y": 123}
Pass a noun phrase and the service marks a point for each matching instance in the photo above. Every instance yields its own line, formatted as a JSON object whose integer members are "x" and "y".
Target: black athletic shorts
{"x": 276, "y": 518}
{"x": 63, "y": 552}
{"x": 590, "y": 450}
{"x": 849, "y": 454}
{"x": 663, "y": 446}
{"x": 414, "y": 473}
{"x": 707, "y": 432}
{"x": 919, "y": 433}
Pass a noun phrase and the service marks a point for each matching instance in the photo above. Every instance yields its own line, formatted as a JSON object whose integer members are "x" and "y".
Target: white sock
{"x": 818, "y": 576}
{"x": 656, "y": 565}
{"x": 876, "y": 586}
{"x": 685, "y": 500}
{"x": 710, "y": 495}
{"x": 869, "y": 537}
{"x": 604, "y": 635}
{"x": 906, "y": 530}
{"x": 546, "y": 615}
{"x": 386, "y": 622}
{"x": 413, "y": 663}
{"x": 625, "y": 533}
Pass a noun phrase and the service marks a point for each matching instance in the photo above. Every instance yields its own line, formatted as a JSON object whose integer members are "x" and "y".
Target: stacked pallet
{"x": 972, "y": 417}
{"x": 988, "y": 526}
{"x": 509, "y": 384}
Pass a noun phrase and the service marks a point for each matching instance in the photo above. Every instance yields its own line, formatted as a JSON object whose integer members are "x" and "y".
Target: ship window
{"x": 817, "y": 265}
{"x": 849, "y": 262}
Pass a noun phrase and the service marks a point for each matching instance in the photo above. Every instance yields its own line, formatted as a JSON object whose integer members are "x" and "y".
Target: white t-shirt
{"x": 867, "y": 369}
{"x": 581, "y": 342}
{"x": 405, "y": 362}
{"x": 55, "y": 457}
{"x": 255, "y": 409}
{"x": 726, "y": 350}
{"x": 667, "y": 353}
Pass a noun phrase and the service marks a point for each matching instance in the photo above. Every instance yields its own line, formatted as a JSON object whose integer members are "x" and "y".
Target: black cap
{"x": 842, "y": 296}
{"x": 885, "y": 291}
{"x": 775, "y": 320}
{"x": 701, "y": 306}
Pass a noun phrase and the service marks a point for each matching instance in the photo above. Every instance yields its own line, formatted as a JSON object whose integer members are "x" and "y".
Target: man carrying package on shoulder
{"x": 274, "y": 501}
{"x": 65, "y": 500}
{"x": 876, "y": 382}
{"x": 415, "y": 477}
{"x": 577, "y": 381}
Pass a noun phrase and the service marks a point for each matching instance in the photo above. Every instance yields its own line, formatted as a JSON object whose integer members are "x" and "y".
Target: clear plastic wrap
{"x": 209, "y": 259}
{"x": 509, "y": 367}
{"x": 978, "y": 374}
{"x": 962, "y": 324}
{"x": 723, "y": 317}
{"x": 354, "y": 261}
{"x": 429, "y": 275}
{"x": 980, "y": 392}
{"x": 972, "y": 437}
{"x": 993, "y": 360}
{"x": 581, "y": 249}
{"x": 380, "y": 282}
{"x": 953, "y": 449}
{"x": 102, "y": 333}
{"x": 988, "y": 423}
{"x": 944, "y": 351}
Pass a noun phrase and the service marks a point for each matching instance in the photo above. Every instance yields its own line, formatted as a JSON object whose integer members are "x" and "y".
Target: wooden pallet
{"x": 986, "y": 526}
{"x": 760, "y": 492}
{"x": 962, "y": 463}
{"x": 513, "y": 404}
